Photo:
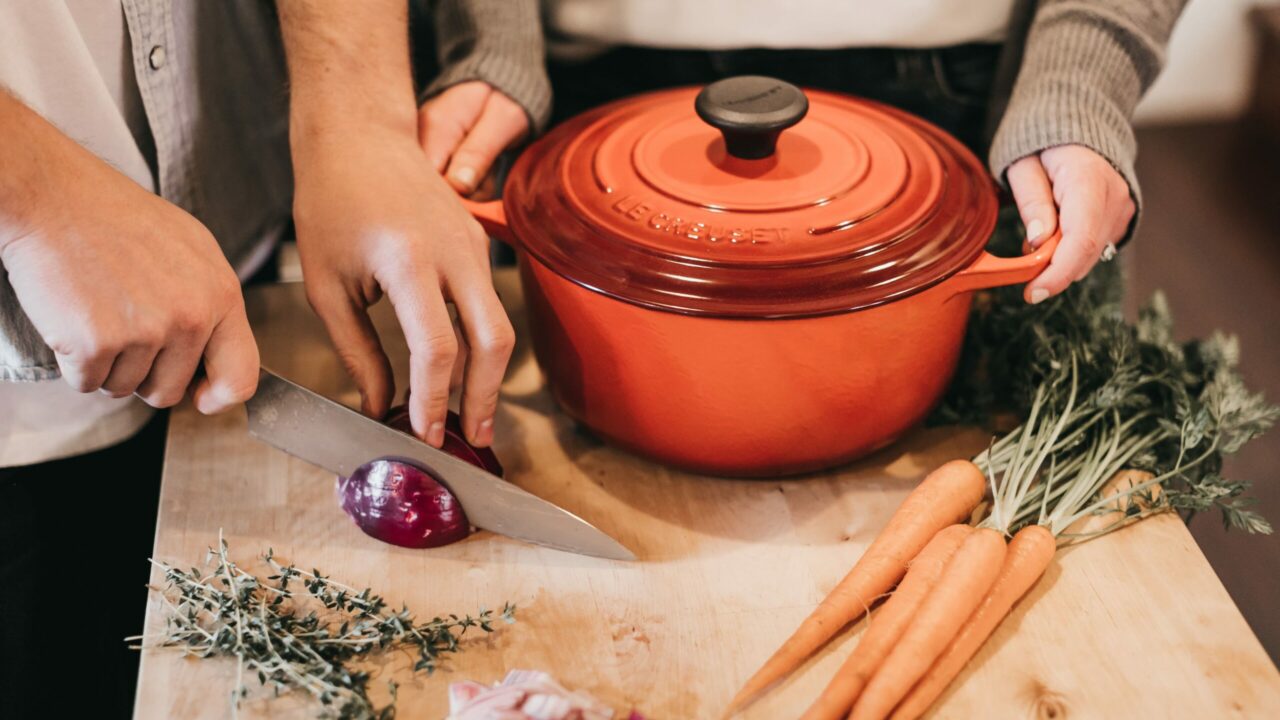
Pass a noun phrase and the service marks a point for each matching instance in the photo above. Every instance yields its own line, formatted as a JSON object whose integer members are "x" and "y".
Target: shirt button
{"x": 156, "y": 58}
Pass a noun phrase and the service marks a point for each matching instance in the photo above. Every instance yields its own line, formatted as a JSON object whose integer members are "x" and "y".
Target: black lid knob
{"x": 751, "y": 111}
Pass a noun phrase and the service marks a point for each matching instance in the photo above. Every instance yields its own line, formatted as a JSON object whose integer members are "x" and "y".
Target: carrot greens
{"x": 1099, "y": 394}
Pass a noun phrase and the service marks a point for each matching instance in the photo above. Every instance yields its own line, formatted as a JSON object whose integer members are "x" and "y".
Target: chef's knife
{"x": 336, "y": 438}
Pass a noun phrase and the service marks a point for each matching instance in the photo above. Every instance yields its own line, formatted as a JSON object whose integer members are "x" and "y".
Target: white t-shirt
{"x": 88, "y": 41}
{"x": 76, "y": 63}
{"x": 731, "y": 24}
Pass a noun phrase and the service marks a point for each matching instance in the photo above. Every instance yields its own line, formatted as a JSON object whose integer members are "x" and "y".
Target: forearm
{"x": 347, "y": 66}
{"x": 19, "y": 164}
{"x": 1086, "y": 65}
{"x": 32, "y": 152}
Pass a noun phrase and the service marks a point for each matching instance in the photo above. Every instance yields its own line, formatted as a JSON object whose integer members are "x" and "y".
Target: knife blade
{"x": 330, "y": 435}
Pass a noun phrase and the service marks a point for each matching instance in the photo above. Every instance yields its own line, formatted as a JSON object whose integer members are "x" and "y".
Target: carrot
{"x": 1030, "y": 552}
{"x": 963, "y": 585}
{"x": 887, "y": 625}
{"x": 946, "y": 496}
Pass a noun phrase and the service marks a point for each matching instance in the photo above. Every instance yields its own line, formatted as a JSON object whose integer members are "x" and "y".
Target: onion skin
{"x": 402, "y": 504}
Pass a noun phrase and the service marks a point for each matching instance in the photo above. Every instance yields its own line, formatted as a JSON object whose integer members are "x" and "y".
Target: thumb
{"x": 444, "y": 120}
{"x": 500, "y": 126}
{"x": 1033, "y": 194}
{"x": 231, "y": 365}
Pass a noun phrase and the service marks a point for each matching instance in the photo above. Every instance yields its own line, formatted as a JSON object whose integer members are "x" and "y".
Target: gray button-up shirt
{"x": 186, "y": 98}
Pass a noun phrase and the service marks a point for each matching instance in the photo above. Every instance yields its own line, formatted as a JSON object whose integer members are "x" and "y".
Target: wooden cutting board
{"x": 1134, "y": 625}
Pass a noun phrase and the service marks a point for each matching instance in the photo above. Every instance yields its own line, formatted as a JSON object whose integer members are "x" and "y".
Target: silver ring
{"x": 1108, "y": 252}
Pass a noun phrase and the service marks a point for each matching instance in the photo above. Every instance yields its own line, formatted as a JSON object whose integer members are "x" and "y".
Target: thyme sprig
{"x": 274, "y": 630}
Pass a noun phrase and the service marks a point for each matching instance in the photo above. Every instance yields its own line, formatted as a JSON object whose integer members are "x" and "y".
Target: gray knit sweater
{"x": 1074, "y": 69}
{"x": 1081, "y": 70}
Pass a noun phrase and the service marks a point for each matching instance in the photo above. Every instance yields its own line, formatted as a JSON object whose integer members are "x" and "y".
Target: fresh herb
{"x": 1098, "y": 395}
{"x": 276, "y": 633}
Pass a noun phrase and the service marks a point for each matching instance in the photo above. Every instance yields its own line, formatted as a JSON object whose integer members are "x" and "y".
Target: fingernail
{"x": 1035, "y": 229}
{"x": 465, "y": 177}
{"x": 484, "y": 433}
{"x": 1039, "y": 295}
{"x": 435, "y": 435}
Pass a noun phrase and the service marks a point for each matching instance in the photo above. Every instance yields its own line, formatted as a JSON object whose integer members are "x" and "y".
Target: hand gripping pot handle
{"x": 989, "y": 271}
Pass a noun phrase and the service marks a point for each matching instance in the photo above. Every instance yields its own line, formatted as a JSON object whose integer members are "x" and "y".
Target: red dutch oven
{"x": 748, "y": 281}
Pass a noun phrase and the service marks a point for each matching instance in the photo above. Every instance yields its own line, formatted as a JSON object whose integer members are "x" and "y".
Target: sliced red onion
{"x": 405, "y": 505}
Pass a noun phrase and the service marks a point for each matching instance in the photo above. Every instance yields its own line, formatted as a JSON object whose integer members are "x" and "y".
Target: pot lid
{"x": 748, "y": 199}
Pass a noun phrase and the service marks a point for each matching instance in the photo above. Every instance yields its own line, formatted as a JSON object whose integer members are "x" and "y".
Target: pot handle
{"x": 989, "y": 271}
{"x": 493, "y": 218}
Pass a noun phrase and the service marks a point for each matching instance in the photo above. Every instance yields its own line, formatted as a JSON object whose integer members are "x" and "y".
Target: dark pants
{"x": 75, "y": 536}
{"x": 947, "y": 86}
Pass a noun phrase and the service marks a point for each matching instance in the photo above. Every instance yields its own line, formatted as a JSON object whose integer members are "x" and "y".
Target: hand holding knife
{"x": 339, "y": 439}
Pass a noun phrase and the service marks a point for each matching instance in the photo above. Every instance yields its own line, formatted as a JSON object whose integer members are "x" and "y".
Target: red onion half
{"x": 403, "y": 504}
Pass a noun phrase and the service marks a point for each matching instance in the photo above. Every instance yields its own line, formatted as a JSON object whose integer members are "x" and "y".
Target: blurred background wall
{"x": 1209, "y": 164}
{"x": 1210, "y": 67}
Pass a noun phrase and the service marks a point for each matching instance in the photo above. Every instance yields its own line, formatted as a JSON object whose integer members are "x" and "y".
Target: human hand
{"x": 1073, "y": 187}
{"x": 465, "y": 128}
{"x": 128, "y": 290}
{"x": 373, "y": 217}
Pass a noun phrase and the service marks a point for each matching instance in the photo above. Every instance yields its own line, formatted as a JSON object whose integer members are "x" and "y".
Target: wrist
{"x": 324, "y": 118}
{"x": 346, "y": 148}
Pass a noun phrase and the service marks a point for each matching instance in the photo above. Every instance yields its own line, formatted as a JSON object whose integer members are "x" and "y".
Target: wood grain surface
{"x": 1135, "y": 625}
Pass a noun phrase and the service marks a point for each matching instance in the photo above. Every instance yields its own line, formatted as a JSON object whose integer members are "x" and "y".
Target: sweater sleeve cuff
{"x": 1063, "y": 113}
{"x": 1081, "y": 78}
{"x": 523, "y": 82}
